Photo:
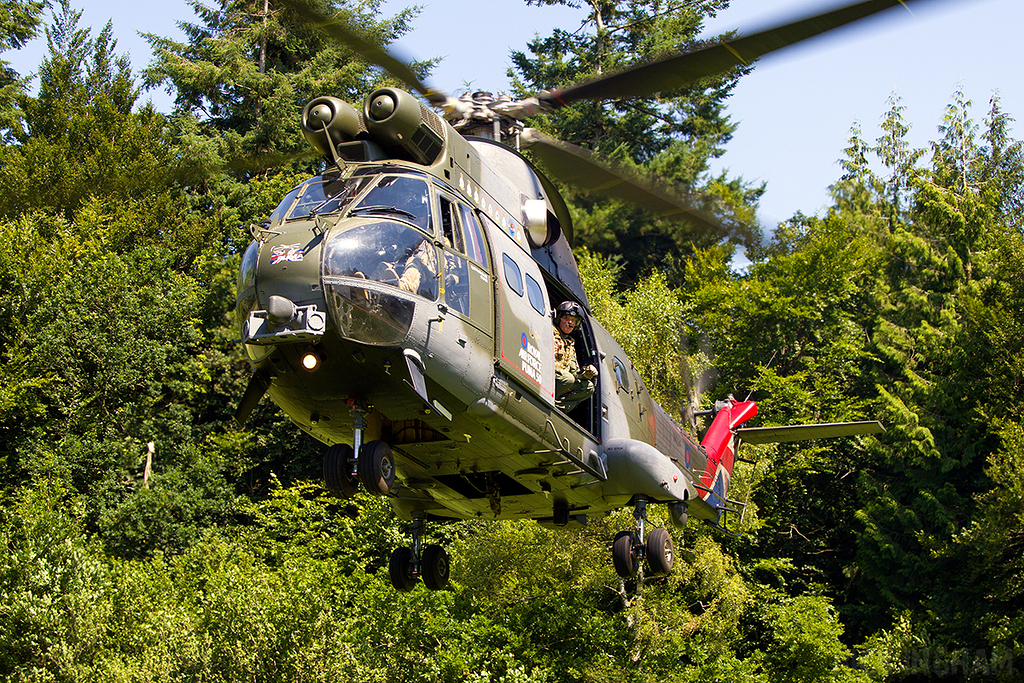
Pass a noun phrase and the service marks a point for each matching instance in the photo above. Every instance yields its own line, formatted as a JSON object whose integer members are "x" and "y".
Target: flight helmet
{"x": 569, "y": 308}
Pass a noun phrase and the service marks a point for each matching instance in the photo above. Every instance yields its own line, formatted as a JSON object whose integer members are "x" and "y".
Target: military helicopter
{"x": 398, "y": 308}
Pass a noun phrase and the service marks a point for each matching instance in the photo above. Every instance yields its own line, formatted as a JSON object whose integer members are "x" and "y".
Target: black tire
{"x": 623, "y": 554}
{"x": 377, "y": 467}
{"x": 435, "y": 567}
{"x": 660, "y": 552}
{"x": 337, "y": 479}
{"x": 400, "y": 569}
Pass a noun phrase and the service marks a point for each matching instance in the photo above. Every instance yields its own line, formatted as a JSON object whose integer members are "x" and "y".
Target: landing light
{"x": 310, "y": 361}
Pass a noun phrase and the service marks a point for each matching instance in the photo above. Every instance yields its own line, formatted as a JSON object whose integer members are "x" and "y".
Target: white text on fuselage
{"x": 530, "y": 357}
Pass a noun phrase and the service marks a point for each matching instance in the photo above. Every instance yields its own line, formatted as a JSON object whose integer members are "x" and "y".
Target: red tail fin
{"x": 720, "y": 444}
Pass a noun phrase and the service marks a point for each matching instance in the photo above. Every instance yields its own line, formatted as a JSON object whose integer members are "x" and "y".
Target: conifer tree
{"x": 249, "y": 66}
{"x": 671, "y": 138}
{"x": 19, "y": 23}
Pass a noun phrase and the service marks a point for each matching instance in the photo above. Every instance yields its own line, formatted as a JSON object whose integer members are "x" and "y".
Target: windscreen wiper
{"x": 382, "y": 208}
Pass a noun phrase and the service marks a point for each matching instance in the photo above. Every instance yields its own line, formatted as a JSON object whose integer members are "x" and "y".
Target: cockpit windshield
{"x": 323, "y": 194}
{"x": 399, "y": 197}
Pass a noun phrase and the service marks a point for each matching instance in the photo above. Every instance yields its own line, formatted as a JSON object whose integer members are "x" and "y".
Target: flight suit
{"x": 571, "y": 388}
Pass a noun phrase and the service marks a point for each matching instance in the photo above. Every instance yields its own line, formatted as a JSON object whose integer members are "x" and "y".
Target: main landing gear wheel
{"x": 629, "y": 549}
{"x": 400, "y": 568}
{"x": 408, "y": 565}
{"x": 337, "y": 479}
{"x": 625, "y": 555}
{"x": 660, "y": 553}
{"x": 435, "y": 568}
{"x": 377, "y": 467}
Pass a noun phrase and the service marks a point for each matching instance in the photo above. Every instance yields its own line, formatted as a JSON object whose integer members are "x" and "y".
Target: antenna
{"x": 754, "y": 388}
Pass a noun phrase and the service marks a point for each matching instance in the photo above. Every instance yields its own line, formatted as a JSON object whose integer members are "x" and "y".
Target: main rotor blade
{"x": 581, "y": 168}
{"x": 785, "y": 434}
{"x": 344, "y": 32}
{"x": 680, "y": 70}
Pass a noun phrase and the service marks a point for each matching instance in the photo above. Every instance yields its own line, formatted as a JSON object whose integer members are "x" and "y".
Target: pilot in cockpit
{"x": 573, "y": 385}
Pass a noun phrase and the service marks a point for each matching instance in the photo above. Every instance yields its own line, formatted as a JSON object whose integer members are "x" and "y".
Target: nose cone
{"x": 288, "y": 271}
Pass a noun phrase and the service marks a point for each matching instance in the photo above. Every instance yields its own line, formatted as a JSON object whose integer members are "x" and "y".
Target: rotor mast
{"x": 485, "y": 115}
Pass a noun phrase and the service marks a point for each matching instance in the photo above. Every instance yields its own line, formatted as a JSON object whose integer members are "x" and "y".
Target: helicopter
{"x": 398, "y": 307}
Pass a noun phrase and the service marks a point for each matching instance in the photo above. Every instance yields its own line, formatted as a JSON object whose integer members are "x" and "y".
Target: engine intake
{"x": 328, "y": 122}
{"x": 403, "y": 126}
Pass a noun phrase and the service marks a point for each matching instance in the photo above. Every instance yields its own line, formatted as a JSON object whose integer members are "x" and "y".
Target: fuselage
{"x": 417, "y": 295}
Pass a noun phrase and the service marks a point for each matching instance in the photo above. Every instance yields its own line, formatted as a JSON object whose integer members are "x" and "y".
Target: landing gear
{"x": 409, "y": 565}
{"x": 376, "y": 467}
{"x": 629, "y": 550}
{"x": 402, "y": 569}
{"x": 337, "y": 478}
{"x": 371, "y": 464}
{"x": 435, "y": 567}
{"x": 626, "y": 554}
{"x": 660, "y": 553}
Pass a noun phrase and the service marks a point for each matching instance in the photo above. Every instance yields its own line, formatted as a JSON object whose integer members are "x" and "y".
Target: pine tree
{"x": 19, "y": 23}
{"x": 249, "y": 66}
{"x": 671, "y": 138}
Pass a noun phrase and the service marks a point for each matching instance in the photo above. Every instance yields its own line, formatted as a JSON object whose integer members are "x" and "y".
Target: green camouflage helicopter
{"x": 399, "y": 308}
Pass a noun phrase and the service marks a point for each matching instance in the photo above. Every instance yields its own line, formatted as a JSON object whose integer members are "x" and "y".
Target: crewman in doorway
{"x": 572, "y": 384}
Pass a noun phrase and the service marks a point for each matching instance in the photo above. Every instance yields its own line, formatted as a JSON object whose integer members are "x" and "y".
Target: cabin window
{"x": 513, "y": 276}
{"x": 536, "y": 295}
{"x": 456, "y": 268}
{"x": 474, "y": 236}
{"x": 450, "y": 226}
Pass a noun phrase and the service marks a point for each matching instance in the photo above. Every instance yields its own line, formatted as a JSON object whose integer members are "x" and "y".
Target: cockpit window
{"x": 386, "y": 252}
{"x": 344, "y": 196}
{"x": 282, "y": 208}
{"x": 398, "y": 197}
{"x": 315, "y": 192}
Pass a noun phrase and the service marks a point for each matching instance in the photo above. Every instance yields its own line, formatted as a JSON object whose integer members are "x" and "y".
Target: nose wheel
{"x": 410, "y": 564}
{"x": 374, "y": 469}
{"x": 371, "y": 464}
{"x": 629, "y": 550}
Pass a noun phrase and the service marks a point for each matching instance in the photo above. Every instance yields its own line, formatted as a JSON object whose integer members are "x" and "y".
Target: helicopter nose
{"x": 280, "y": 310}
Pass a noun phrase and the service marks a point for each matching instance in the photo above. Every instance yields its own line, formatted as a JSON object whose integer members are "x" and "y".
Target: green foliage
{"x": 248, "y": 68}
{"x": 79, "y": 136}
{"x": 876, "y": 558}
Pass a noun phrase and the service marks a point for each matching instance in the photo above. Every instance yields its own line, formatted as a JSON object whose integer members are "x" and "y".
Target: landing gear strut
{"x": 629, "y": 549}
{"x": 409, "y": 565}
{"x": 372, "y": 464}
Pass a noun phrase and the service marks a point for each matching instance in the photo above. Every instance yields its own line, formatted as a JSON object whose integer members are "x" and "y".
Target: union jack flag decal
{"x": 285, "y": 252}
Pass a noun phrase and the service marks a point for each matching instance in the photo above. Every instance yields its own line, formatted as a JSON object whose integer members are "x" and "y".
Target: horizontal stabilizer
{"x": 759, "y": 435}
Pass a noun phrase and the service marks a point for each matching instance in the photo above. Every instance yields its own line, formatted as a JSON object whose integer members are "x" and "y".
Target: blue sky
{"x": 794, "y": 112}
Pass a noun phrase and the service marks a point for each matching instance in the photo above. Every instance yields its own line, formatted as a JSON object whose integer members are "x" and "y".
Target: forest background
{"x": 875, "y": 559}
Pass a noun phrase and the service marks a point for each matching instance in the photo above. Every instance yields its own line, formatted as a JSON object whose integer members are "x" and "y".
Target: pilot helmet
{"x": 569, "y": 308}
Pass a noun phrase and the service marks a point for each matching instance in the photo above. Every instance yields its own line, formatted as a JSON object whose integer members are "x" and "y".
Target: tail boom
{"x": 720, "y": 445}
